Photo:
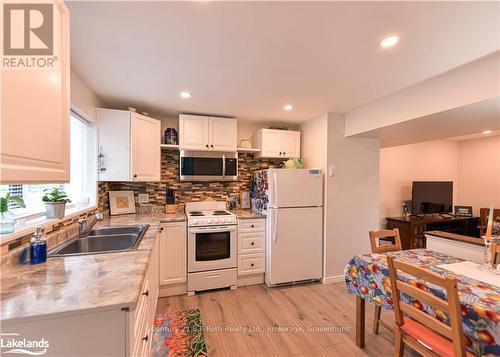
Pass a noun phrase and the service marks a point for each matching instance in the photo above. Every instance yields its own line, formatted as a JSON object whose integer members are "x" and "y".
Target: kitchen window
{"x": 82, "y": 187}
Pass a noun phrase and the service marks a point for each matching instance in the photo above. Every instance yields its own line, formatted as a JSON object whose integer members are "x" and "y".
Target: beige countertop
{"x": 82, "y": 283}
{"x": 247, "y": 214}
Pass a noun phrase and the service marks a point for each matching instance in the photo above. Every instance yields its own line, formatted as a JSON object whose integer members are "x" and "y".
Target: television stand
{"x": 412, "y": 229}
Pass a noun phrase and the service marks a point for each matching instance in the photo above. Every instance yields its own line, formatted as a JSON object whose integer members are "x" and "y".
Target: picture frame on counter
{"x": 463, "y": 211}
{"x": 245, "y": 199}
{"x": 121, "y": 202}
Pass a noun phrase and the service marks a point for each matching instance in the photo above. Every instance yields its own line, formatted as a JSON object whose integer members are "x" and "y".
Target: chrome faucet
{"x": 84, "y": 227}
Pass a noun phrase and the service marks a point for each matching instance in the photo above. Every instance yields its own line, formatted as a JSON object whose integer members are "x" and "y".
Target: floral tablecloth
{"x": 368, "y": 277}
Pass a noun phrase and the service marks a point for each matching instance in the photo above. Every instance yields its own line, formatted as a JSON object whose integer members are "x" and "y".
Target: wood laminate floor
{"x": 306, "y": 320}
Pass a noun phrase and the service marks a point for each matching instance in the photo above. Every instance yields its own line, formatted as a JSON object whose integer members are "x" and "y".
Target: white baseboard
{"x": 333, "y": 279}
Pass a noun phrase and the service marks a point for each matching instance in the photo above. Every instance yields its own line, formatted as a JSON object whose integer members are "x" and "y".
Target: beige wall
{"x": 400, "y": 165}
{"x": 83, "y": 97}
{"x": 352, "y": 195}
{"x": 472, "y": 165}
{"x": 479, "y": 173}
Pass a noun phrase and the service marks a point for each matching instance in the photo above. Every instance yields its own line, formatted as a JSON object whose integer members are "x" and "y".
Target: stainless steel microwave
{"x": 208, "y": 166}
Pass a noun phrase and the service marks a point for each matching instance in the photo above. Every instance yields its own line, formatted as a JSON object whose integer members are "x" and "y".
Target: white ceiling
{"x": 249, "y": 59}
{"x": 459, "y": 124}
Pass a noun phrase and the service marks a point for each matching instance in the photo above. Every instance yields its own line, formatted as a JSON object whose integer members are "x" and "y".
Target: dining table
{"x": 367, "y": 278}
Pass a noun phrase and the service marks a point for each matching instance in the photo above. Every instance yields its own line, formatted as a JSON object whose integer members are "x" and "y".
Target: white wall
{"x": 352, "y": 195}
{"x": 314, "y": 138}
{"x": 83, "y": 97}
{"x": 400, "y": 165}
{"x": 471, "y": 83}
{"x": 479, "y": 173}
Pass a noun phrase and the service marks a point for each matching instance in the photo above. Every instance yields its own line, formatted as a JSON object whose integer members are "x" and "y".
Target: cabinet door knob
{"x": 146, "y": 293}
{"x": 284, "y": 153}
{"x": 281, "y": 153}
{"x": 212, "y": 145}
{"x": 252, "y": 226}
{"x": 206, "y": 145}
{"x": 253, "y": 243}
{"x": 161, "y": 229}
{"x": 135, "y": 175}
{"x": 145, "y": 338}
{"x": 252, "y": 264}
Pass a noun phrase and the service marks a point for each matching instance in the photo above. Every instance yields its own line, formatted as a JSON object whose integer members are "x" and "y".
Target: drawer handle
{"x": 146, "y": 293}
{"x": 161, "y": 229}
{"x": 252, "y": 264}
{"x": 145, "y": 338}
{"x": 253, "y": 243}
{"x": 252, "y": 226}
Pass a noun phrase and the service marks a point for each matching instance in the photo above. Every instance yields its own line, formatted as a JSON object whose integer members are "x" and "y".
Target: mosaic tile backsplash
{"x": 188, "y": 191}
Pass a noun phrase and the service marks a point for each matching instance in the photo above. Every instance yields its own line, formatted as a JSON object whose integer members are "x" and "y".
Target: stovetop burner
{"x": 221, "y": 213}
{"x": 196, "y": 213}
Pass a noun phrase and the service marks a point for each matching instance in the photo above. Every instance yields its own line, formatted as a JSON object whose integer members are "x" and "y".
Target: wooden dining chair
{"x": 394, "y": 243}
{"x": 495, "y": 253}
{"x": 423, "y": 332}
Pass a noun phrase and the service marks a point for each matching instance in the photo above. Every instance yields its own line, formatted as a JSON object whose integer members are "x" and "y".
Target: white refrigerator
{"x": 293, "y": 203}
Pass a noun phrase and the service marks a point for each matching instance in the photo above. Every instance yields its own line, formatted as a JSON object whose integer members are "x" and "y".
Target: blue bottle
{"x": 38, "y": 247}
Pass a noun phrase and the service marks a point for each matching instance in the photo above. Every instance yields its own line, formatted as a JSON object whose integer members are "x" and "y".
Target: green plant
{"x": 4, "y": 202}
{"x": 55, "y": 195}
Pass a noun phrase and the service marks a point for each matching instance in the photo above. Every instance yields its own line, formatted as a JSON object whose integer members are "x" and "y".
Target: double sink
{"x": 103, "y": 240}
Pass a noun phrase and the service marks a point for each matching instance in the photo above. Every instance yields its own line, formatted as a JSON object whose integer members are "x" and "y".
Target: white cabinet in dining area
{"x": 173, "y": 258}
{"x": 35, "y": 111}
{"x": 130, "y": 145}
{"x": 197, "y": 132}
{"x": 277, "y": 143}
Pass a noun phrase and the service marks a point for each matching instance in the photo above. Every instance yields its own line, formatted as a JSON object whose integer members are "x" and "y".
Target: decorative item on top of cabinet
{"x": 251, "y": 246}
{"x": 173, "y": 258}
{"x": 277, "y": 143}
{"x": 198, "y": 132}
{"x": 130, "y": 142}
{"x": 35, "y": 112}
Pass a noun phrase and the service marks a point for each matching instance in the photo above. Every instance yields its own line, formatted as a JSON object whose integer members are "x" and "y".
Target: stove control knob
{"x": 216, "y": 220}
{"x": 194, "y": 222}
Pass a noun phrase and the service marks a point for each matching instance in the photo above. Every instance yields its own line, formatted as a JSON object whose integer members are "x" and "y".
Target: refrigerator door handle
{"x": 275, "y": 224}
{"x": 275, "y": 188}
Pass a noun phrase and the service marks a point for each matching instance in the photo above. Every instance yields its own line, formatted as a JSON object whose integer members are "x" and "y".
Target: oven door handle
{"x": 218, "y": 229}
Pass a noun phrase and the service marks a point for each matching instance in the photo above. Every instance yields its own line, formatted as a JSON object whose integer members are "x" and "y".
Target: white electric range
{"x": 212, "y": 246}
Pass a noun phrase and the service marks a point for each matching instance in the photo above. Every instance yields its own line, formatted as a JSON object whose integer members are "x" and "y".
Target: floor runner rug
{"x": 178, "y": 334}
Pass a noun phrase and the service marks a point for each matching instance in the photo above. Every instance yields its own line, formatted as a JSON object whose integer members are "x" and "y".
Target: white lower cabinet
{"x": 100, "y": 333}
{"x": 251, "y": 243}
{"x": 173, "y": 258}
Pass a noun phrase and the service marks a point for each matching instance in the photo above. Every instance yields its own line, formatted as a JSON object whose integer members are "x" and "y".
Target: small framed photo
{"x": 245, "y": 199}
{"x": 463, "y": 211}
{"x": 121, "y": 202}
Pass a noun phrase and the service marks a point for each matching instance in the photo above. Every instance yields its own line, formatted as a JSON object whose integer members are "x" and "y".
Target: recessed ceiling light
{"x": 185, "y": 94}
{"x": 487, "y": 132}
{"x": 288, "y": 107}
{"x": 389, "y": 41}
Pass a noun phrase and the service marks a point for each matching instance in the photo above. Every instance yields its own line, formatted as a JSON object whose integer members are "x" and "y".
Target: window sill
{"x": 28, "y": 227}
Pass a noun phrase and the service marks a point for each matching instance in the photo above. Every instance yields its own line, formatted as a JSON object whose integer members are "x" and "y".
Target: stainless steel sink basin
{"x": 103, "y": 240}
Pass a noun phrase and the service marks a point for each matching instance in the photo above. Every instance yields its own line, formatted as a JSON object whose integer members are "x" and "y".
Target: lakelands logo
{"x": 12, "y": 343}
{"x": 28, "y": 35}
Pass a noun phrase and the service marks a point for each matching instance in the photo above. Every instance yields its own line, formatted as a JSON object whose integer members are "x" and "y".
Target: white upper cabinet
{"x": 277, "y": 143}
{"x": 198, "y": 132}
{"x": 193, "y": 132}
{"x": 35, "y": 114}
{"x": 130, "y": 145}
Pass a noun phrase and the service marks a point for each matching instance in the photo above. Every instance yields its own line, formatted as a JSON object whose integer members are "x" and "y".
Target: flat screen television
{"x": 432, "y": 197}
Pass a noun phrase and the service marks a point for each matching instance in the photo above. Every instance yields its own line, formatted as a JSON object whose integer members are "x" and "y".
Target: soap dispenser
{"x": 38, "y": 247}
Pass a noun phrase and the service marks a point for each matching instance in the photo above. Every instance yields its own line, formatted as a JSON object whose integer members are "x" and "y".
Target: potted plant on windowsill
{"x": 7, "y": 220}
{"x": 55, "y": 203}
